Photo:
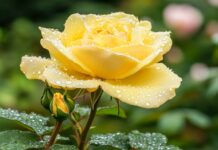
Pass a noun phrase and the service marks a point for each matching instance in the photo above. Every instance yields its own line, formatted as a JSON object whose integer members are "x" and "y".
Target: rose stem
{"x": 89, "y": 123}
{"x": 54, "y": 135}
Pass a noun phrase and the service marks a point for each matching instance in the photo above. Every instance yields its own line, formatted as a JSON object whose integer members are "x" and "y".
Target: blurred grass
{"x": 19, "y": 35}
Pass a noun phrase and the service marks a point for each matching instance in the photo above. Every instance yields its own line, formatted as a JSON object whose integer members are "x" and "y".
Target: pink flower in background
{"x": 199, "y": 72}
{"x": 183, "y": 19}
{"x": 213, "y": 2}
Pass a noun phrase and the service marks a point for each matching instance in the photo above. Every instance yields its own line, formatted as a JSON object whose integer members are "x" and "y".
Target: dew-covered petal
{"x": 148, "y": 88}
{"x": 161, "y": 41}
{"x": 62, "y": 54}
{"x": 104, "y": 63}
{"x": 46, "y": 70}
{"x": 33, "y": 67}
{"x": 49, "y": 33}
{"x": 59, "y": 79}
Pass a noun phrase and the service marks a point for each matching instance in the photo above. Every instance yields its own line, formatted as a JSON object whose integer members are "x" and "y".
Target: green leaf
{"x": 149, "y": 141}
{"x": 31, "y": 121}
{"x": 117, "y": 140}
{"x": 111, "y": 111}
{"x": 135, "y": 140}
{"x": 213, "y": 88}
{"x": 63, "y": 147}
{"x": 197, "y": 118}
{"x": 171, "y": 123}
{"x": 14, "y": 140}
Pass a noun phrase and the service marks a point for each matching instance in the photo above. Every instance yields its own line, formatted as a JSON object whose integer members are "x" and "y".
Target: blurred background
{"x": 190, "y": 120}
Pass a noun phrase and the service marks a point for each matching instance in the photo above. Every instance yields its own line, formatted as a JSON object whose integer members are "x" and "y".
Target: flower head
{"x": 59, "y": 107}
{"x": 117, "y": 52}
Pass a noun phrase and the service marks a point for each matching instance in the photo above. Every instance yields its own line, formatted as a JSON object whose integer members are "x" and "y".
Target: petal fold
{"x": 104, "y": 63}
{"x": 47, "y": 70}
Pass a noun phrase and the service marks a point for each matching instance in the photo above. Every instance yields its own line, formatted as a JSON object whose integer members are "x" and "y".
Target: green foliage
{"x": 108, "y": 110}
{"x": 135, "y": 140}
{"x": 117, "y": 140}
{"x": 34, "y": 122}
{"x": 63, "y": 147}
{"x": 174, "y": 122}
{"x": 13, "y": 139}
{"x": 113, "y": 111}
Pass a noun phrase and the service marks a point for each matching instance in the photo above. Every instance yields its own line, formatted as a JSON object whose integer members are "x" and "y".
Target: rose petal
{"x": 46, "y": 70}
{"x": 33, "y": 67}
{"x": 109, "y": 41}
{"x": 140, "y": 31}
{"x": 58, "y": 79}
{"x": 74, "y": 29}
{"x": 137, "y": 51}
{"x": 63, "y": 56}
{"x": 104, "y": 63}
{"x": 160, "y": 41}
{"x": 148, "y": 88}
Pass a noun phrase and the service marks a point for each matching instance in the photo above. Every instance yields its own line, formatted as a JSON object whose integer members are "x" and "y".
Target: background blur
{"x": 190, "y": 120}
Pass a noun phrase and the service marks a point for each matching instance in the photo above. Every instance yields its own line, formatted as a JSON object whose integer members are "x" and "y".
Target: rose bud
{"x": 59, "y": 107}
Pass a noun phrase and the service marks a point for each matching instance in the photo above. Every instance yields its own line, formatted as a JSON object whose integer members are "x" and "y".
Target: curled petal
{"x": 104, "y": 63}
{"x": 148, "y": 88}
{"x": 74, "y": 29}
{"x": 160, "y": 41}
{"x": 140, "y": 31}
{"x": 139, "y": 52}
{"x": 46, "y": 70}
{"x": 63, "y": 56}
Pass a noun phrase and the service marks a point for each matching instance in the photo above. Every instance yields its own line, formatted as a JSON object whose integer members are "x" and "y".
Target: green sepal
{"x": 46, "y": 98}
{"x": 61, "y": 115}
{"x": 70, "y": 102}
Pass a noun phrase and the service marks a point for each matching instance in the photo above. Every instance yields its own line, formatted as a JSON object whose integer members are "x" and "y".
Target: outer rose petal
{"x": 51, "y": 42}
{"x": 148, "y": 88}
{"x": 104, "y": 63}
{"x": 33, "y": 67}
{"x": 63, "y": 56}
{"x": 160, "y": 41}
{"x": 46, "y": 70}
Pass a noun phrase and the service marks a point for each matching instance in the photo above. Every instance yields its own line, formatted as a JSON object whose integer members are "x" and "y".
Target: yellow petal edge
{"x": 148, "y": 88}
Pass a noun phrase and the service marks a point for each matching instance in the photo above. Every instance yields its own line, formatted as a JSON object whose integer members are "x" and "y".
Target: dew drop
{"x": 118, "y": 91}
{"x": 58, "y": 82}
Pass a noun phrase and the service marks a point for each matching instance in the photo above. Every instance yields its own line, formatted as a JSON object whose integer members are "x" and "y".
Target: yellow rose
{"x": 117, "y": 52}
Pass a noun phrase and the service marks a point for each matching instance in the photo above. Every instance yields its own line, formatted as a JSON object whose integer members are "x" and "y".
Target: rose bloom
{"x": 117, "y": 52}
{"x": 183, "y": 19}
